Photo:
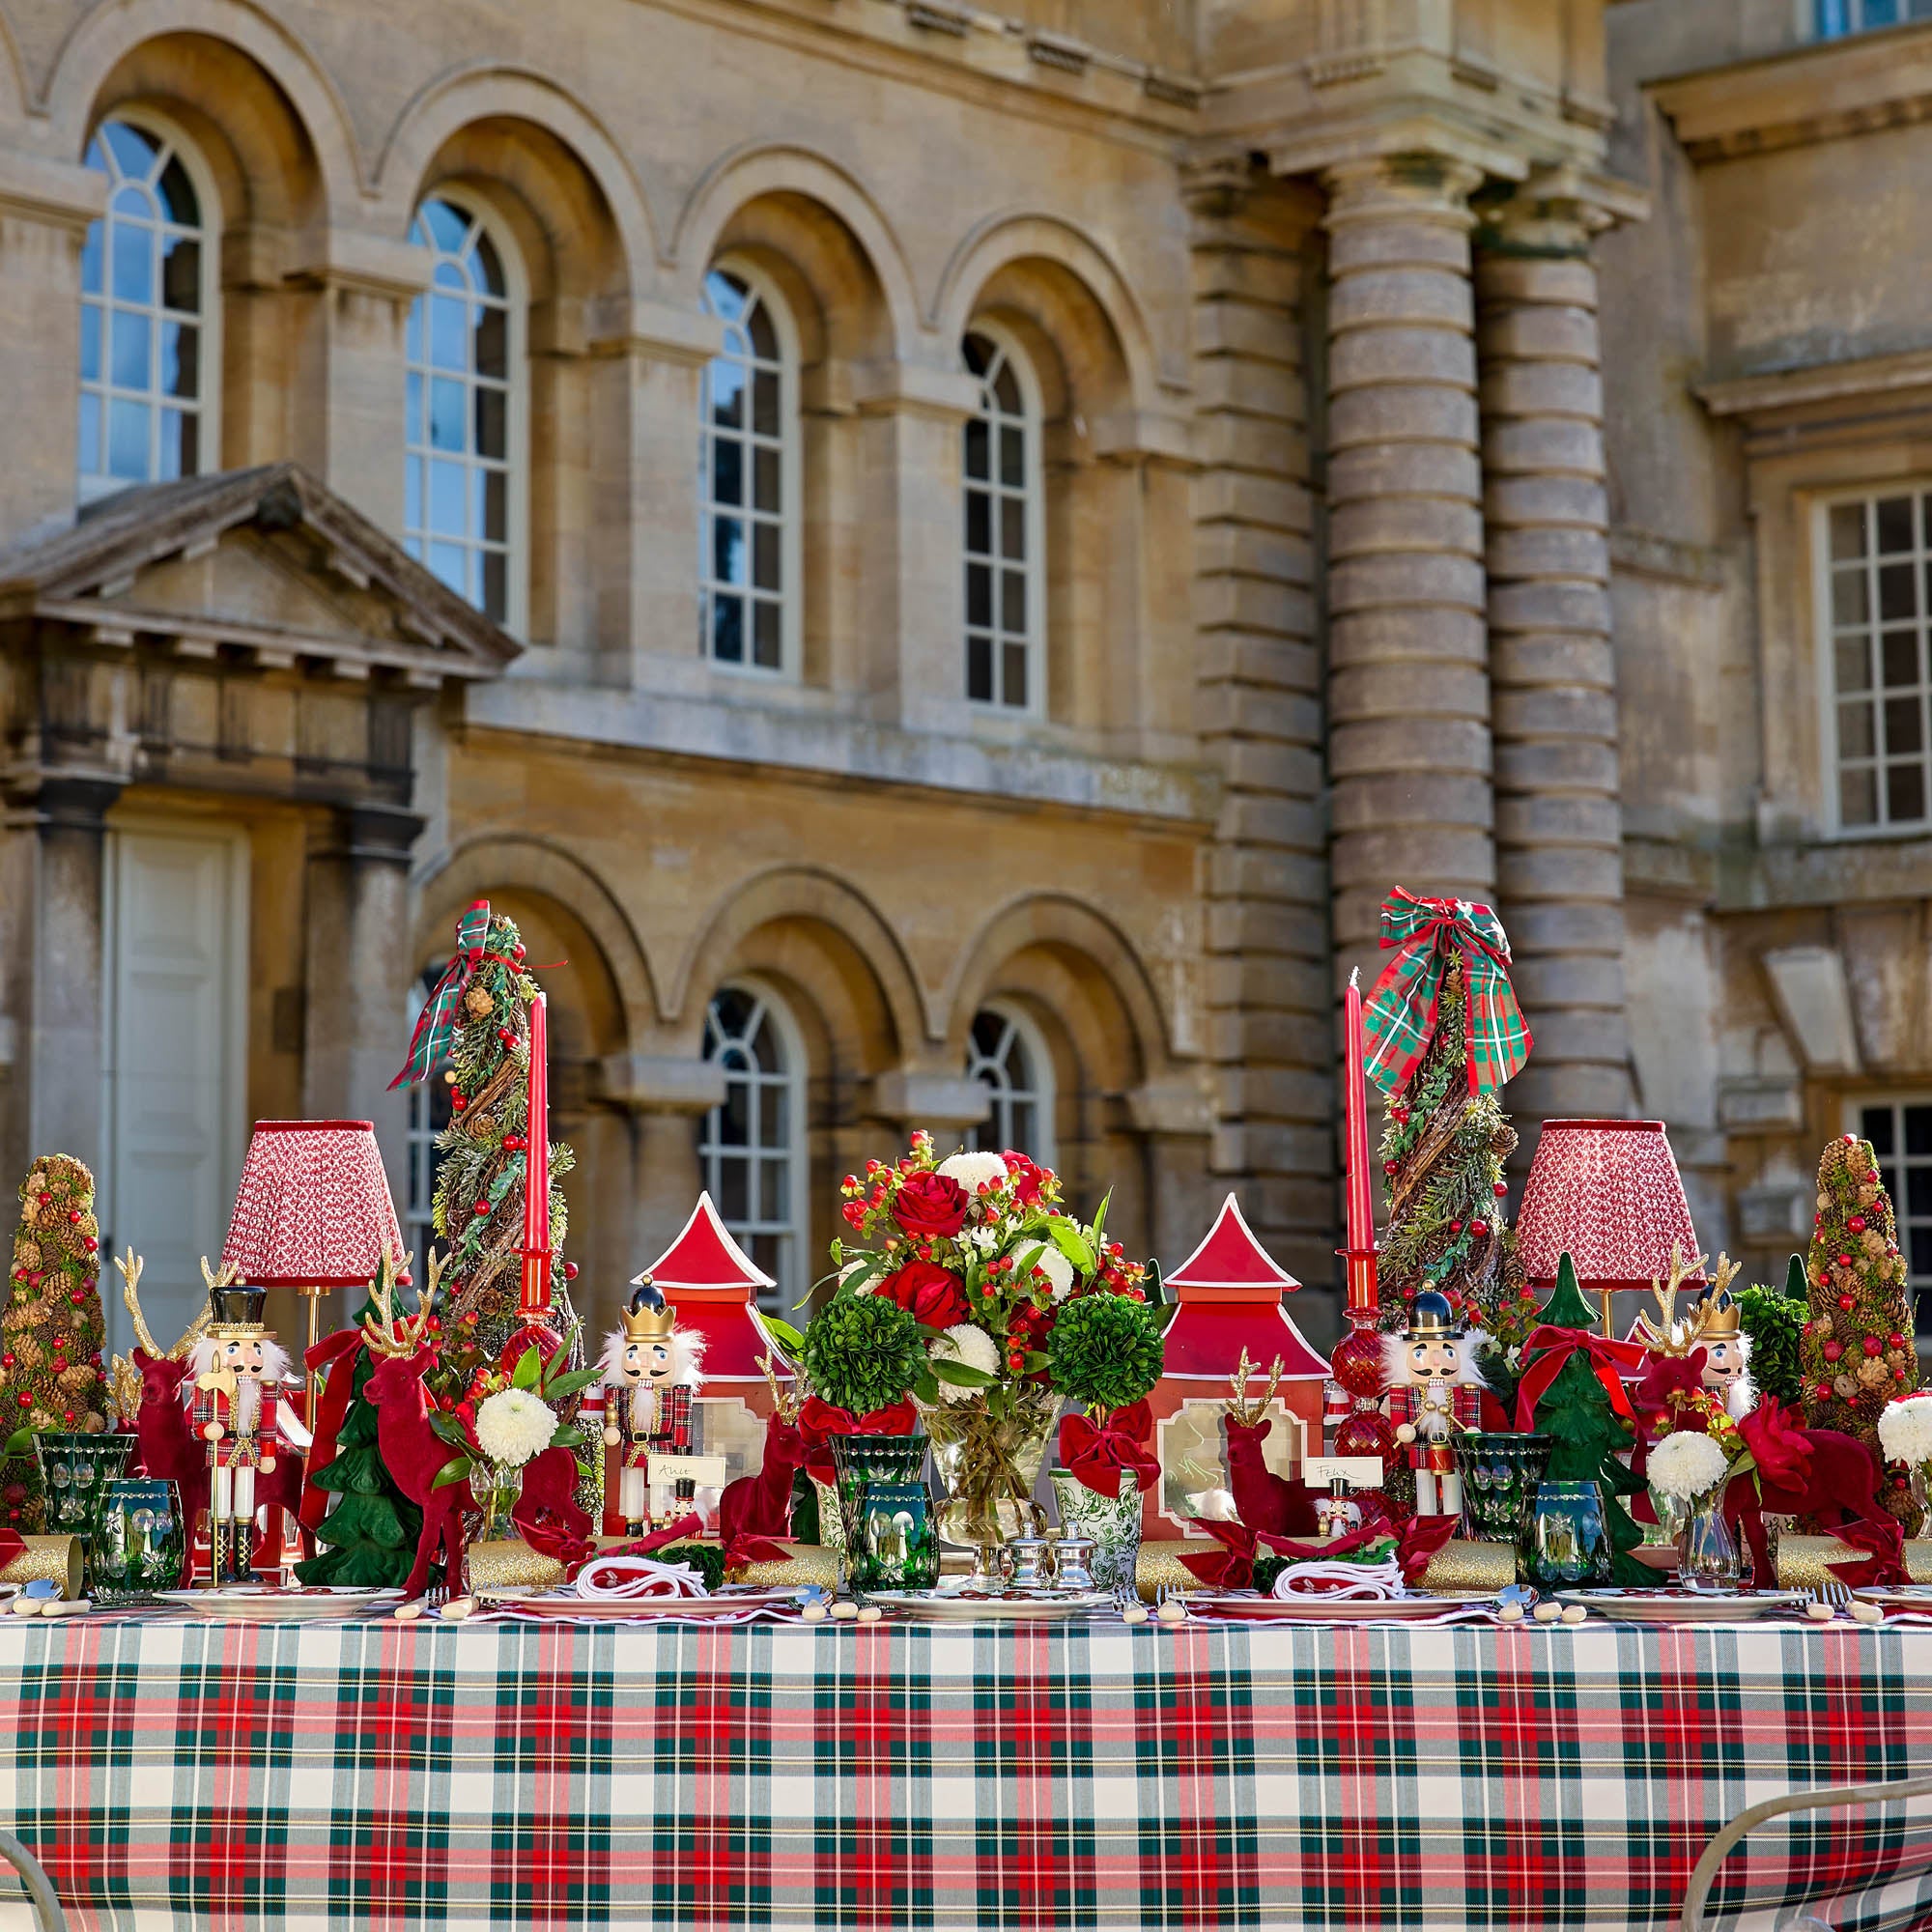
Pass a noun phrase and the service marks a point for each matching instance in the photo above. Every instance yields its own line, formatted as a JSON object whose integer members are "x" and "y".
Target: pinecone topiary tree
{"x": 1442, "y": 1153}
{"x": 482, "y": 1157}
{"x": 1586, "y": 1433}
{"x": 371, "y": 1533}
{"x": 51, "y": 1329}
{"x": 1857, "y": 1350}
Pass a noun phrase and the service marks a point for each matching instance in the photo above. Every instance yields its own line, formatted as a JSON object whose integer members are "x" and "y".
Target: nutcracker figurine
{"x": 1432, "y": 1357}
{"x": 238, "y": 1368}
{"x": 650, "y": 1370}
{"x": 1712, "y": 1330}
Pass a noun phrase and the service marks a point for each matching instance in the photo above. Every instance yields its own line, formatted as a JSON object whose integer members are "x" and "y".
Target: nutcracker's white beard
{"x": 686, "y": 1358}
{"x": 207, "y": 1359}
{"x": 1742, "y": 1397}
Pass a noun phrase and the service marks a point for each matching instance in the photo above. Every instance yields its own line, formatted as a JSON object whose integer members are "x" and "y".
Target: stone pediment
{"x": 265, "y": 564}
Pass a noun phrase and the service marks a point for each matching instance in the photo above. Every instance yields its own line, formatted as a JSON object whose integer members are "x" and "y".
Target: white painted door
{"x": 175, "y": 927}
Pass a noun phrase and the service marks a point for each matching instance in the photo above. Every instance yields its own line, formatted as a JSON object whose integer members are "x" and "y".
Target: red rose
{"x": 931, "y": 1204}
{"x": 1025, "y": 1175}
{"x": 928, "y": 1292}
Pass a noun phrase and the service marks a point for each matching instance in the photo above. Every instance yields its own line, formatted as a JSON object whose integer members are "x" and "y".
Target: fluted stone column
{"x": 1409, "y": 689}
{"x": 1559, "y": 815}
{"x": 1259, "y": 712}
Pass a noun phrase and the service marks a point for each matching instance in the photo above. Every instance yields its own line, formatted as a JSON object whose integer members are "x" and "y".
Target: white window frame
{"x": 1034, "y": 485}
{"x": 791, "y": 470}
{"x": 1825, "y": 631}
{"x": 1856, "y": 1104}
{"x": 208, "y": 405}
{"x": 794, "y": 1232}
{"x": 1041, "y": 1094}
{"x": 516, "y": 432}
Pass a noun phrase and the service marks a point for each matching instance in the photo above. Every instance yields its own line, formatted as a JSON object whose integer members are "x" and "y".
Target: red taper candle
{"x": 1360, "y": 1253}
{"x": 536, "y": 1171}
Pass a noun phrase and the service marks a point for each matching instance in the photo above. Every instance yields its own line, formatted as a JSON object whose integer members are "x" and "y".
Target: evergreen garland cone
{"x": 1857, "y": 1350}
{"x": 51, "y": 1329}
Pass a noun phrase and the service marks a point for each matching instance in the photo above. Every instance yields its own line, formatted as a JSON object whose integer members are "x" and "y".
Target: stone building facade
{"x": 941, "y": 560}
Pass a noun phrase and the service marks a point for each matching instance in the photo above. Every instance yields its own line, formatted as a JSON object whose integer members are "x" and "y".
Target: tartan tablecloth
{"x": 892, "y": 1776}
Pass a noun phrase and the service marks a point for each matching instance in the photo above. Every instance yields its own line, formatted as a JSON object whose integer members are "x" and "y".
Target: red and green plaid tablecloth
{"x": 1225, "y": 1777}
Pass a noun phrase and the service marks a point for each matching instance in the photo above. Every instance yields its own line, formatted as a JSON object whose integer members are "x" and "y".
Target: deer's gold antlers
{"x": 1240, "y": 1408}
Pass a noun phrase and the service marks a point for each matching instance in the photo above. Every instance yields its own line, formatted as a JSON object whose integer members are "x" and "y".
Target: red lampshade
{"x": 1608, "y": 1194}
{"x": 314, "y": 1209}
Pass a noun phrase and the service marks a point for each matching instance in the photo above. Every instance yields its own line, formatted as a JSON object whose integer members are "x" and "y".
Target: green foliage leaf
{"x": 455, "y": 1470}
{"x": 962, "y": 1374}
{"x": 1070, "y": 1243}
{"x": 528, "y": 1371}
{"x": 19, "y": 1442}
{"x": 784, "y": 1334}
{"x": 448, "y": 1427}
{"x": 561, "y": 1388}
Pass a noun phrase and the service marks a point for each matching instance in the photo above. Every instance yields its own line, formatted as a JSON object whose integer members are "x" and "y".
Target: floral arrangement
{"x": 504, "y": 1420}
{"x": 983, "y": 1264}
{"x": 1688, "y": 1463}
{"x": 1905, "y": 1432}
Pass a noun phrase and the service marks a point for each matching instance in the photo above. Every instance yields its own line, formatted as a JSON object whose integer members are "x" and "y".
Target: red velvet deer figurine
{"x": 760, "y": 1504}
{"x": 166, "y": 1445}
{"x": 412, "y": 1451}
{"x": 1262, "y": 1499}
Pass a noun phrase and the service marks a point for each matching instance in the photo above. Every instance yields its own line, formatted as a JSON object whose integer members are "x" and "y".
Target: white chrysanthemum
{"x": 986, "y": 1239}
{"x": 974, "y": 1346}
{"x": 1687, "y": 1464}
{"x": 1905, "y": 1430}
{"x": 1058, "y": 1271}
{"x": 972, "y": 1171}
{"x": 513, "y": 1425}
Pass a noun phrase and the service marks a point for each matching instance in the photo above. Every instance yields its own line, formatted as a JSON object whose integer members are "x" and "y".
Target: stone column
{"x": 358, "y": 972}
{"x": 1258, "y": 708}
{"x": 1559, "y": 813}
{"x": 1408, "y": 690}
{"x": 663, "y": 1094}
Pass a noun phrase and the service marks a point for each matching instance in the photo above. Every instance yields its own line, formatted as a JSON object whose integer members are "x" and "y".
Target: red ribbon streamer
{"x": 339, "y": 1347}
{"x": 1102, "y": 1454}
{"x": 13, "y": 1544}
{"x": 1553, "y": 1346}
{"x": 749, "y": 1549}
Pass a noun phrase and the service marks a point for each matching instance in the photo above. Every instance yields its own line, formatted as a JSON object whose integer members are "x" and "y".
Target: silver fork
{"x": 1128, "y": 1600}
{"x": 1837, "y": 1594}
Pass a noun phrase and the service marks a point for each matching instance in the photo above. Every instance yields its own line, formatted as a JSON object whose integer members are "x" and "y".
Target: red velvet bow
{"x": 1553, "y": 1346}
{"x": 13, "y": 1544}
{"x": 1231, "y": 1567}
{"x": 683, "y": 1530}
{"x": 1415, "y": 1543}
{"x": 818, "y": 1422}
{"x": 340, "y": 1385}
{"x": 1781, "y": 1452}
{"x": 747, "y": 1547}
{"x": 1102, "y": 1454}
{"x": 1884, "y": 1563}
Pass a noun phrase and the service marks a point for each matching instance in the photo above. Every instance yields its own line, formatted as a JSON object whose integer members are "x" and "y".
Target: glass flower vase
{"x": 494, "y": 1488}
{"x": 1710, "y": 1560}
{"x": 986, "y": 1453}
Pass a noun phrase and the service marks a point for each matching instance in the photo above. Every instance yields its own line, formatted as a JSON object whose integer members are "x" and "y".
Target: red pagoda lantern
{"x": 1229, "y": 1295}
{"x": 712, "y": 1283}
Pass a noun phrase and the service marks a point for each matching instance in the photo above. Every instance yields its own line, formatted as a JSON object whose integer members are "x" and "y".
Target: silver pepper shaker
{"x": 1029, "y": 1554}
{"x": 1073, "y": 1573}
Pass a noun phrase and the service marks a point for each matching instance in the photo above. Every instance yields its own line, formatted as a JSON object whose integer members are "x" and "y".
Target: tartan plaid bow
{"x": 437, "y": 1019}
{"x": 1399, "y": 1017}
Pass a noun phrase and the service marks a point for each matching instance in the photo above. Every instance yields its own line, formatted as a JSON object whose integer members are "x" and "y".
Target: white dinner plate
{"x": 1310, "y": 1608}
{"x": 955, "y": 1607}
{"x": 1682, "y": 1606}
{"x": 264, "y": 1602}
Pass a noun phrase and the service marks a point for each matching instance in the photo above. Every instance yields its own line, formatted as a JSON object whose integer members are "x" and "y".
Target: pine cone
{"x": 50, "y": 1217}
{"x": 26, "y": 1254}
{"x": 1872, "y": 1371}
{"x": 1821, "y": 1326}
{"x": 478, "y": 1004}
{"x": 1844, "y": 1388}
{"x": 1873, "y": 1242}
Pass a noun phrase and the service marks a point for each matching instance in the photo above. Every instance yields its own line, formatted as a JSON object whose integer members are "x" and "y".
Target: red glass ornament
{"x": 570, "y": 1270}
{"x": 1388, "y": 1167}
{"x": 1856, "y": 1223}
{"x": 1821, "y": 1392}
{"x": 1851, "y": 1140}
{"x": 67, "y": 1416}
{"x": 458, "y": 1102}
{"x": 482, "y": 1207}
{"x": 1480, "y": 1229}
{"x": 508, "y": 1037}
{"x": 1844, "y": 1261}
{"x": 93, "y": 1246}
{"x": 515, "y": 952}
{"x": 1895, "y": 1340}
{"x": 6, "y": 1361}
{"x": 44, "y": 1197}
{"x": 1455, "y": 1227}
{"x": 78, "y": 1296}
{"x": 1899, "y": 1374}
{"x": 1501, "y": 1190}
{"x": 73, "y": 1215}
{"x": 24, "y": 1400}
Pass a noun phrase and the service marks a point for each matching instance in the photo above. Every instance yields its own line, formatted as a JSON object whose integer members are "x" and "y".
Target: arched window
{"x": 464, "y": 472}
{"x": 1004, "y": 521}
{"x": 1005, "y": 1051}
{"x": 752, "y": 1148}
{"x": 148, "y": 358}
{"x": 748, "y": 480}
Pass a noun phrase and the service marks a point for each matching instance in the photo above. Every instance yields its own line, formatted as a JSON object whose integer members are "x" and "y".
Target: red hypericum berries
{"x": 482, "y": 1207}
{"x": 1821, "y": 1392}
{"x": 92, "y": 1246}
{"x": 515, "y": 952}
{"x": 1895, "y": 1340}
{"x": 1388, "y": 1167}
{"x": 78, "y": 1296}
{"x": 1455, "y": 1227}
{"x": 73, "y": 1215}
{"x": 1844, "y": 1261}
{"x": 1501, "y": 1190}
{"x": 24, "y": 1400}
{"x": 7, "y": 1360}
{"x": 436, "y": 1324}
{"x": 1480, "y": 1229}
{"x": 458, "y": 1102}
{"x": 1847, "y": 1303}
{"x": 1899, "y": 1374}
{"x": 1856, "y": 1223}
{"x": 67, "y": 1416}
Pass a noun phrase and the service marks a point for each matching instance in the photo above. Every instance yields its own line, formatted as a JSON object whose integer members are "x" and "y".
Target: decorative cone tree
{"x": 1577, "y": 1412}
{"x": 1445, "y": 1137}
{"x": 371, "y": 1533}
{"x": 479, "y": 1015}
{"x": 1857, "y": 1350}
{"x": 51, "y": 1329}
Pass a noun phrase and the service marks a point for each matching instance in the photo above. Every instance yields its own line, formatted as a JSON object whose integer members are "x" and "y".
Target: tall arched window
{"x": 748, "y": 480}
{"x": 148, "y": 358}
{"x": 429, "y": 1113}
{"x": 1005, "y": 1052}
{"x": 1004, "y": 523}
{"x": 463, "y": 470}
{"x": 752, "y": 1148}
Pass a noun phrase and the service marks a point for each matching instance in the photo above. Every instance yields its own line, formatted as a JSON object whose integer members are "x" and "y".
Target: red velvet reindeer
{"x": 1262, "y": 1499}
{"x": 760, "y": 1504}
{"x": 412, "y": 1451}
{"x": 167, "y": 1448}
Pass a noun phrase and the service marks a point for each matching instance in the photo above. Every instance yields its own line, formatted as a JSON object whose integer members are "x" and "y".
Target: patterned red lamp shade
{"x": 1606, "y": 1193}
{"x": 313, "y": 1211}
{"x": 1229, "y": 1295}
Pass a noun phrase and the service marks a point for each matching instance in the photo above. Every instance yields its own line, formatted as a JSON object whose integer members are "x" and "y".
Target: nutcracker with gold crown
{"x": 238, "y": 1368}
{"x": 650, "y": 1372}
{"x": 1432, "y": 1357}
{"x": 1709, "y": 1338}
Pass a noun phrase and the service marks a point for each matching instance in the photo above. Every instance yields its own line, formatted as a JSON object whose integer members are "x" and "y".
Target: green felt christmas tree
{"x": 1585, "y": 1431}
{"x": 1857, "y": 1350}
{"x": 372, "y": 1531}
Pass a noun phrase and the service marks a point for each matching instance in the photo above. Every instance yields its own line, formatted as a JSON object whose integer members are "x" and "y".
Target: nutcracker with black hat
{"x": 651, "y": 1368}
{"x": 1433, "y": 1357}
{"x": 238, "y": 1368}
